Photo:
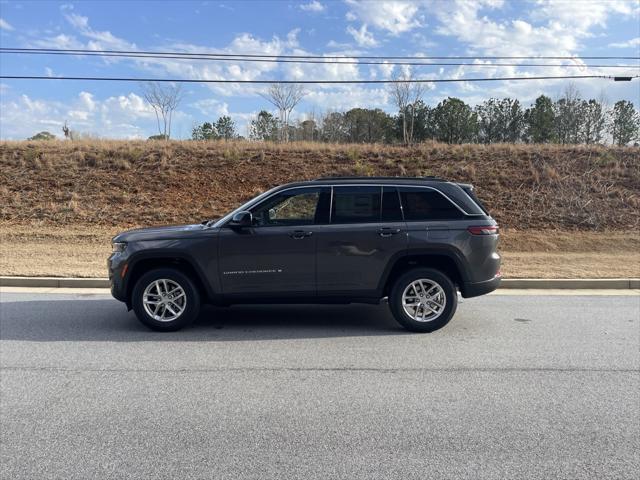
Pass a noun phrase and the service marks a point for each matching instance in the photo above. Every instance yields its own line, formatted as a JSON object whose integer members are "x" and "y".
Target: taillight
{"x": 483, "y": 230}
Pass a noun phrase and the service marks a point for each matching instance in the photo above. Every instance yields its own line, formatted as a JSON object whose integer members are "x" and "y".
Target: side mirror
{"x": 241, "y": 219}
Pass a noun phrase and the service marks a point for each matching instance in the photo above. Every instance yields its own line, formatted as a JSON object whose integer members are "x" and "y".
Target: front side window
{"x": 355, "y": 204}
{"x": 421, "y": 204}
{"x": 292, "y": 207}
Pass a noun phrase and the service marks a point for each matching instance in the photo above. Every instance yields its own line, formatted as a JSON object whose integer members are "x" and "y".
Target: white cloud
{"x": 78, "y": 115}
{"x": 121, "y": 116}
{"x": 553, "y": 27}
{"x": 386, "y": 70}
{"x": 581, "y": 15}
{"x": 292, "y": 37}
{"x": 338, "y": 45}
{"x": 395, "y": 17}
{"x": 211, "y": 108}
{"x": 313, "y": 6}
{"x": 634, "y": 42}
{"x": 362, "y": 37}
{"x": 4, "y": 25}
{"x": 87, "y": 101}
{"x": 61, "y": 41}
{"x": 462, "y": 19}
{"x": 345, "y": 97}
{"x": 99, "y": 40}
{"x": 78, "y": 21}
{"x": 127, "y": 105}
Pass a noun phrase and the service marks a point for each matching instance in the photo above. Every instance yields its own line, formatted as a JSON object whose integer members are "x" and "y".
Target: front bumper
{"x": 475, "y": 289}
{"x": 116, "y": 265}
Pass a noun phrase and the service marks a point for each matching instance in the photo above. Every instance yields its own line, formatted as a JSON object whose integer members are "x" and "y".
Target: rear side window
{"x": 356, "y": 204}
{"x": 424, "y": 204}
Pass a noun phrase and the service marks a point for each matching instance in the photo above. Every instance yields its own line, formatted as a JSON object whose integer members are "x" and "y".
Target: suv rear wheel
{"x": 423, "y": 300}
{"x": 165, "y": 299}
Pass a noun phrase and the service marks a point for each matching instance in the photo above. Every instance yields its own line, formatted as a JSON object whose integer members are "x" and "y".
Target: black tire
{"x": 191, "y": 307}
{"x": 408, "y": 322}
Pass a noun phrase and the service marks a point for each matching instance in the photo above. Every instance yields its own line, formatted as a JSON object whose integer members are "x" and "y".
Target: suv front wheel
{"x": 423, "y": 300}
{"x": 165, "y": 299}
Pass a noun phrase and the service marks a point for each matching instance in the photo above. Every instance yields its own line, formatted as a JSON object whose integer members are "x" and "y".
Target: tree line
{"x": 565, "y": 121}
{"x": 568, "y": 120}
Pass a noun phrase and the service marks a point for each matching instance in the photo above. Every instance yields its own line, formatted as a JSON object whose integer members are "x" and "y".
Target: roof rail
{"x": 358, "y": 177}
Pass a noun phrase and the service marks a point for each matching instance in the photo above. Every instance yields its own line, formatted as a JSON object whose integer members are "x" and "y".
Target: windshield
{"x": 244, "y": 206}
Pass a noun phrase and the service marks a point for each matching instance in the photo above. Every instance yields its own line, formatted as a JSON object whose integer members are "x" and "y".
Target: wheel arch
{"x": 142, "y": 263}
{"x": 442, "y": 260}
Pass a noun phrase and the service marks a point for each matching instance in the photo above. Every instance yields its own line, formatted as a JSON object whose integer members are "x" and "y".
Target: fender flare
{"x": 166, "y": 253}
{"x": 442, "y": 251}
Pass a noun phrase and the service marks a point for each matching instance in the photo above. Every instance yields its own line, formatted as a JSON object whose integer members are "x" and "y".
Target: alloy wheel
{"x": 164, "y": 300}
{"x": 424, "y": 300}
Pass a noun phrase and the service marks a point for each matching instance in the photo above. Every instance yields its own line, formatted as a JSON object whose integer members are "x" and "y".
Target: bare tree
{"x": 164, "y": 99}
{"x": 67, "y": 131}
{"x": 284, "y": 96}
{"x": 406, "y": 93}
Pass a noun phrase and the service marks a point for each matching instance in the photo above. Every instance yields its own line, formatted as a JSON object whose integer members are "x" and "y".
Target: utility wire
{"x": 367, "y": 57}
{"x": 326, "y": 61}
{"x": 421, "y": 80}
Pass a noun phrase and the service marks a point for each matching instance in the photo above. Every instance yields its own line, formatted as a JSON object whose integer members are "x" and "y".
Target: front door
{"x": 277, "y": 254}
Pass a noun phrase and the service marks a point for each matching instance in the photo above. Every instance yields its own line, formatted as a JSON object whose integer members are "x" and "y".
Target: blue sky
{"x": 352, "y": 27}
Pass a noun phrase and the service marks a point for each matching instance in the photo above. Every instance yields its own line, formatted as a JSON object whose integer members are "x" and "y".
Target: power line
{"x": 326, "y": 60}
{"x": 421, "y": 80}
{"x": 365, "y": 57}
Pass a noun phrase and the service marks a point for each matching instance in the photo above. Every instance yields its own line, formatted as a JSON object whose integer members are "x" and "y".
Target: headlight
{"x": 118, "y": 247}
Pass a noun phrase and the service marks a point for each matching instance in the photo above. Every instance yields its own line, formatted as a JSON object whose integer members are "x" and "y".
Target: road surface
{"x": 531, "y": 386}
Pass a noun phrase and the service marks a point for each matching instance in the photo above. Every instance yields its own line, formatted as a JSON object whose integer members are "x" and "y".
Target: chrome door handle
{"x": 388, "y": 231}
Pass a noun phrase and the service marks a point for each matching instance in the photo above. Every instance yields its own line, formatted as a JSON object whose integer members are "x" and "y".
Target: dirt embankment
{"x": 569, "y": 211}
{"x": 127, "y": 183}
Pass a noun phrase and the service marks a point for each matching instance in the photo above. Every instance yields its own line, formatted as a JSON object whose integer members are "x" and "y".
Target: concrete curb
{"x": 54, "y": 282}
{"x": 572, "y": 283}
{"x": 520, "y": 283}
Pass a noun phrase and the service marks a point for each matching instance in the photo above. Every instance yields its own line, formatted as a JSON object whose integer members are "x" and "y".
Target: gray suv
{"x": 413, "y": 241}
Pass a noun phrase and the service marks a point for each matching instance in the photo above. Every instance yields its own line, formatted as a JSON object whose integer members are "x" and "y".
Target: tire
{"x": 447, "y": 296}
{"x": 168, "y": 279}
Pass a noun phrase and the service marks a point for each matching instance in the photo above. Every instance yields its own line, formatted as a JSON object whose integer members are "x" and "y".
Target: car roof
{"x": 367, "y": 180}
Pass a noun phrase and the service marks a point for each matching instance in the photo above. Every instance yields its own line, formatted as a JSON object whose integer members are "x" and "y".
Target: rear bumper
{"x": 476, "y": 289}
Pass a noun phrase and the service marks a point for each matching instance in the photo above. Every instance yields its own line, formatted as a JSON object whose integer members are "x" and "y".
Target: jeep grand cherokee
{"x": 415, "y": 241}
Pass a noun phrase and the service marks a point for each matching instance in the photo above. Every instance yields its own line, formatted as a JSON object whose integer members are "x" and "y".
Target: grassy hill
{"x": 127, "y": 183}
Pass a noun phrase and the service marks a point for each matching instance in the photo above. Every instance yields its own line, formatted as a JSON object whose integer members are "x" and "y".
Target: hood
{"x": 161, "y": 233}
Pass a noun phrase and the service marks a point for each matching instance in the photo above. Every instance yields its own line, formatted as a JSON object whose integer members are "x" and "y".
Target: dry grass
{"x": 82, "y": 251}
{"x": 128, "y": 183}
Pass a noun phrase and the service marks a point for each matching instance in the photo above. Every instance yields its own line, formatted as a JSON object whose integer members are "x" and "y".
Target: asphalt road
{"x": 514, "y": 387}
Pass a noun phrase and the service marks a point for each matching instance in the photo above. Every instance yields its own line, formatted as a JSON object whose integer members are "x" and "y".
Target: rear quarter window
{"x": 421, "y": 204}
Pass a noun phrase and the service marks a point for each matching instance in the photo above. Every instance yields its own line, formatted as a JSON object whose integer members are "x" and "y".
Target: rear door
{"x": 365, "y": 232}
